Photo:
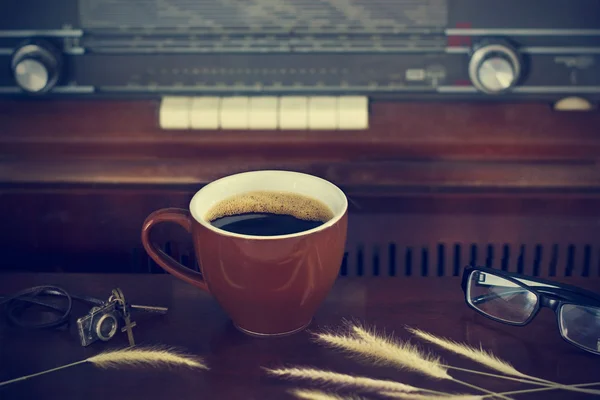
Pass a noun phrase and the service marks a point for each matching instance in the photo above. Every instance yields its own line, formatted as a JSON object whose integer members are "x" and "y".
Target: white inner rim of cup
{"x": 275, "y": 181}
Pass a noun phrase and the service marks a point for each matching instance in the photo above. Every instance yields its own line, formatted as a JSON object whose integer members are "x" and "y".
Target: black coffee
{"x": 269, "y": 213}
{"x": 264, "y": 224}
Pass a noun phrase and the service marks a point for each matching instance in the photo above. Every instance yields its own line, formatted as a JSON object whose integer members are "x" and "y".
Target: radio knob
{"x": 36, "y": 67}
{"x": 494, "y": 68}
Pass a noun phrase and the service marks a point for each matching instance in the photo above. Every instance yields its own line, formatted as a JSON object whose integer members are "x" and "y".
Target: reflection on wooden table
{"x": 197, "y": 324}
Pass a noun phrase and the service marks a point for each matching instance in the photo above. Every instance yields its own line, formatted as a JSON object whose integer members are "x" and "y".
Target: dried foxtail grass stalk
{"x": 155, "y": 357}
{"x": 480, "y": 355}
{"x": 319, "y": 395}
{"x": 404, "y": 355}
{"x": 543, "y": 389}
{"x": 343, "y": 380}
{"x": 488, "y": 359}
{"x": 415, "y": 396}
{"x": 130, "y": 357}
{"x": 546, "y": 386}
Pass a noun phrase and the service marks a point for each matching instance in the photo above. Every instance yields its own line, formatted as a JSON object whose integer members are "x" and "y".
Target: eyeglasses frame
{"x": 575, "y": 296}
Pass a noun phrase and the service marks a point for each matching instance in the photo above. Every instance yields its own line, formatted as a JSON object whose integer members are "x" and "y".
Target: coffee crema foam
{"x": 281, "y": 203}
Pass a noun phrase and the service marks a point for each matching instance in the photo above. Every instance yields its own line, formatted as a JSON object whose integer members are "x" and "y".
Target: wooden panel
{"x": 98, "y": 229}
{"x": 401, "y": 175}
{"x": 454, "y": 145}
{"x": 431, "y": 184}
{"x": 526, "y": 243}
{"x": 91, "y": 122}
{"x": 409, "y": 130}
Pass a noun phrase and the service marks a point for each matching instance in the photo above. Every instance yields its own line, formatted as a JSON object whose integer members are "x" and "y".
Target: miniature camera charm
{"x": 102, "y": 323}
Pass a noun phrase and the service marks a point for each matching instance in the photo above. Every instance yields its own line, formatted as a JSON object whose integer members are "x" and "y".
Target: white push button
{"x": 234, "y": 113}
{"x": 293, "y": 112}
{"x": 353, "y": 112}
{"x": 204, "y": 112}
{"x": 573, "y": 104}
{"x": 263, "y": 113}
{"x": 175, "y": 112}
{"x": 323, "y": 112}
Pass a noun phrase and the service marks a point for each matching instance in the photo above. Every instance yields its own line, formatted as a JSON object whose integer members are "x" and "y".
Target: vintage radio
{"x": 400, "y": 49}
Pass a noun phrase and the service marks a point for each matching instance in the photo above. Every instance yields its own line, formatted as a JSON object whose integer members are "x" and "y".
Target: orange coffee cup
{"x": 268, "y": 285}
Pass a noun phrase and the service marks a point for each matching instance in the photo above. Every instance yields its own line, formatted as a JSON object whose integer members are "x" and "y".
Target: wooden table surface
{"x": 197, "y": 324}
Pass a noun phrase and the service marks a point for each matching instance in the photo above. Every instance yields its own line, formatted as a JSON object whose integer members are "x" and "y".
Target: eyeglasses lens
{"x": 500, "y": 298}
{"x": 581, "y": 325}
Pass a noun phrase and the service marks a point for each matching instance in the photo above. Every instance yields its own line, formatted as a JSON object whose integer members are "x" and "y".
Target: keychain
{"x": 102, "y": 323}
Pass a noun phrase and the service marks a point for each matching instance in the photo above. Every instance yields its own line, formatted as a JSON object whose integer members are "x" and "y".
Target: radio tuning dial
{"x": 36, "y": 66}
{"x": 494, "y": 67}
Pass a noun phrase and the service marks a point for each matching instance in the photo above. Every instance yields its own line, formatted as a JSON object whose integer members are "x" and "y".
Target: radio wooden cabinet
{"x": 432, "y": 186}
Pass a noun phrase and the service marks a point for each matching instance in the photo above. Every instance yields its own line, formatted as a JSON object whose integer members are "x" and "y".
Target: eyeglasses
{"x": 516, "y": 299}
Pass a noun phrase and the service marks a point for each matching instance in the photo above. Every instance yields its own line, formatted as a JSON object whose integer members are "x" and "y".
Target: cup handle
{"x": 183, "y": 218}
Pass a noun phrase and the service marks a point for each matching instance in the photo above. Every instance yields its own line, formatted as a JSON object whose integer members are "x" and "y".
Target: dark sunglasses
{"x": 516, "y": 299}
